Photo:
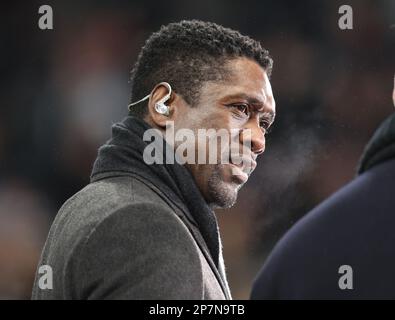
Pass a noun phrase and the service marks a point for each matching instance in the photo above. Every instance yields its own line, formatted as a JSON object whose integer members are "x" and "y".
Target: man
{"x": 143, "y": 230}
{"x": 344, "y": 248}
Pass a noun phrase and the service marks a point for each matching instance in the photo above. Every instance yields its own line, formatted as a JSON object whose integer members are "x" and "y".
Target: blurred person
{"x": 24, "y": 220}
{"x": 148, "y": 231}
{"x": 342, "y": 249}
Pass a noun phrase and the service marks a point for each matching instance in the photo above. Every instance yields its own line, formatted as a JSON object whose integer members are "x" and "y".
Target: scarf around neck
{"x": 124, "y": 153}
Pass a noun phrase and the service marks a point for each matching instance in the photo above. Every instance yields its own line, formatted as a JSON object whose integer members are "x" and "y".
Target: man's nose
{"x": 254, "y": 133}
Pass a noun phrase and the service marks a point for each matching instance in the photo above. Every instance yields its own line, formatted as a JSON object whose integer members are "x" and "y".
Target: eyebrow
{"x": 257, "y": 103}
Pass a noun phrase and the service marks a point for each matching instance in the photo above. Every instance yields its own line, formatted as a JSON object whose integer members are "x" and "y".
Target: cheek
{"x": 189, "y": 119}
{"x": 221, "y": 119}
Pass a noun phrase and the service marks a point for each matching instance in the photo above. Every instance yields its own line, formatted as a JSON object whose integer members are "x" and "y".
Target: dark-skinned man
{"x": 144, "y": 230}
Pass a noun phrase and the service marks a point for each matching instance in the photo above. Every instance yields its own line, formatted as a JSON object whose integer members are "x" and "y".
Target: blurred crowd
{"x": 62, "y": 89}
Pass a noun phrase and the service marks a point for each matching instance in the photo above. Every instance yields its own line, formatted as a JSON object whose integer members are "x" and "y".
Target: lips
{"x": 238, "y": 174}
{"x": 245, "y": 166}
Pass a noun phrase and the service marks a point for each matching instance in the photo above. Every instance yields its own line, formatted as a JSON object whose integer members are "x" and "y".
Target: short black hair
{"x": 188, "y": 53}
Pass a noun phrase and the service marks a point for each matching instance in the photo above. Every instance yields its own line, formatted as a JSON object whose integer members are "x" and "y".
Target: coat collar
{"x": 123, "y": 153}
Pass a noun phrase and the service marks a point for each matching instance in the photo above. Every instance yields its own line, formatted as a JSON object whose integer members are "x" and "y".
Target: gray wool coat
{"x": 118, "y": 238}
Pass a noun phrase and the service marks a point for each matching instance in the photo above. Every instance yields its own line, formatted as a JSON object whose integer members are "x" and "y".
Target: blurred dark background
{"x": 62, "y": 89}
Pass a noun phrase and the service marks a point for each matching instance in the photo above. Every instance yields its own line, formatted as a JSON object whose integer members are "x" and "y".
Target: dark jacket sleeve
{"x": 142, "y": 251}
{"x": 268, "y": 285}
{"x": 354, "y": 228}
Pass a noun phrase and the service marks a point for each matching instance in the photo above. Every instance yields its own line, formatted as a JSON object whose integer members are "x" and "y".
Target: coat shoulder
{"x": 305, "y": 262}
{"x": 100, "y": 199}
{"x": 125, "y": 218}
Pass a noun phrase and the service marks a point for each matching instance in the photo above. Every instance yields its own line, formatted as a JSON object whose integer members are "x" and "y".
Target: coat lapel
{"x": 188, "y": 220}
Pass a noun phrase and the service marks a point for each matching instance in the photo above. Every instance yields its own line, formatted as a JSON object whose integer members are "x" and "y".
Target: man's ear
{"x": 157, "y": 94}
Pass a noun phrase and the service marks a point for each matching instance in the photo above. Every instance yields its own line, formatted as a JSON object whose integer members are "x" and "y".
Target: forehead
{"x": 245, "y": 78}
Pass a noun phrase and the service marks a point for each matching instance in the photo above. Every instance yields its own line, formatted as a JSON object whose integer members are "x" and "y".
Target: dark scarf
{"x": 381, "y": 146}
{"x": 124, "y": 153}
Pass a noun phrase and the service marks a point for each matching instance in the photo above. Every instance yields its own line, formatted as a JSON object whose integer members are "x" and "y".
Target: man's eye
{"x": 242, "y": 108}
{"x": 264, "y": 124}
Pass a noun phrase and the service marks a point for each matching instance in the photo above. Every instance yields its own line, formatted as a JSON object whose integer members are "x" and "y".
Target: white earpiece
{"x": 160, "y": 106}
